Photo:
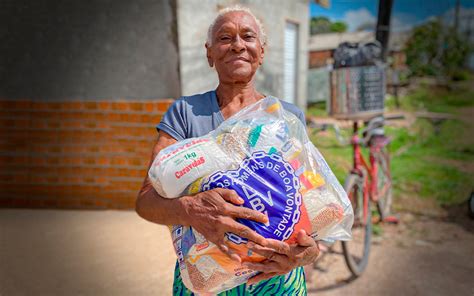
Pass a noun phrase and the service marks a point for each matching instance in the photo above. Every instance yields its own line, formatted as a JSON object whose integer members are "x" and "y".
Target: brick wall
{"x": 319, "y": 58}
{"x": 75, "y": 154}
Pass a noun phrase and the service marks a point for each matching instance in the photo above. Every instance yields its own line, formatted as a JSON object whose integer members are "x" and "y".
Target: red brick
{"x": 149, "y": 106}
{"x": 90, "y": 105}
{"x": 113, "y": 117}
{"x": 7, "y": 105}
{"x": 7, "y": 179}
{"x": 89, "y": 179}
{"x": 6, "y": 113}
{"x": 135, "y": 106}
{"x": 15, "y": 104}
{"x": 44, "y": 135}
{"x": 66, "y": 115}
{"x": 50, "y": 203}
{"x": 7, "y": 123}
{"x": 90, "y": 124}
{"x": 100, "y": 203}
{"x": 104, "y": 105}
{"x": 21, "y": 202}
{"x": 15, "y": 160}
{"x": 121, "y": 106}
{"x": 73, "y": 149}
{"x": 163, "y": 106}
{"x": 69, "y": 203}
{"x": 89, "y": 160}
{"x": 87, "y": 202}
{"x": 71, "y": 124}
{"x": 102, "y": 125}
{"x": 55, "y": 149}
{"x": 37, "y": 161}
{"x": 319, "y": 58}
{"x": 137, "y": 161}
{"x": 118, "y": 161}
{"x": 53, "y": 179}
{"x": 103, "y": 161}
{"x": 71, "y": 160}
{"x": 17, "y": 123}
{"x": 54, "y": 124}
{"x": 71, "y": 105}
{"x": 39, "y": 124}
{"x": 36, "y": 203}
{"x": 101, "y": 180}
{"x": 53, "y": 105}
{"x": 93, "y": 149}
{"x": 136, "y": 118}
{"x": 53, "y": 160}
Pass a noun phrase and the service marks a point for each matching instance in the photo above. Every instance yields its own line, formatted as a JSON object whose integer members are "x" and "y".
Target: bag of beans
{"x": 264, "y": 154}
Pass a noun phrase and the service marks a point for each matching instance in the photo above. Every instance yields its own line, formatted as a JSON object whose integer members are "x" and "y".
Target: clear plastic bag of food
{"x": 264, "y": 154}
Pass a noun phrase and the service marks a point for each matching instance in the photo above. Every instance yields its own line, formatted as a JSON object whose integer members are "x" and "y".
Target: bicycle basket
{"x": 357, "y": 92}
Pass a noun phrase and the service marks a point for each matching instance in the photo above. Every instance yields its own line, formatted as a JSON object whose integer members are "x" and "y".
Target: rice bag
{"x": 264, "y": 154}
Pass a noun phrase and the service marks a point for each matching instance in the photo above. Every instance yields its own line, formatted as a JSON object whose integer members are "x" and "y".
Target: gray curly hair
{"x": 237, "y": 8}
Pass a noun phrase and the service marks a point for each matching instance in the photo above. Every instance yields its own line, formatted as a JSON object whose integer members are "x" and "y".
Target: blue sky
{"x": 405, "y": 13}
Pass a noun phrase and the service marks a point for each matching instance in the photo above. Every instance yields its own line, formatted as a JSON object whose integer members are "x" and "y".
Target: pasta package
{"x": 264, "y": 154}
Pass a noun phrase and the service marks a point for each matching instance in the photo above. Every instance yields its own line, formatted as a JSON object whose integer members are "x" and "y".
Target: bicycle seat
{"x": 374, "y": 129}
{"x": 374, "y": 123}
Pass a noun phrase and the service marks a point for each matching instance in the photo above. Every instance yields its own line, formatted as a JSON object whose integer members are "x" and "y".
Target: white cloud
{"x": 403, "y": 22}
{"x": 355, "y": 18}
{"x": 466, "y": 19}
{"x": 406, "y": 21}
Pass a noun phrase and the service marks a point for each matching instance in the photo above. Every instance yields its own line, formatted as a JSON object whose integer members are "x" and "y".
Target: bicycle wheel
{"x": 384, "y": 184}
{"x": 356, "y": 251}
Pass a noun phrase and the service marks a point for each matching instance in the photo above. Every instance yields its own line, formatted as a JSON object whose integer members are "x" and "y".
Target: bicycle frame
{"x": 360, "y": 167}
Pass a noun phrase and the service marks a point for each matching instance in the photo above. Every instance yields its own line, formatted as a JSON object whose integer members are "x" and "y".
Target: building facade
{"x": 83, "y": 85}
{"x": 284, "y": 70}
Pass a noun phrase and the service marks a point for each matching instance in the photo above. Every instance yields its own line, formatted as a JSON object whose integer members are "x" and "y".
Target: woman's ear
{"x": 208, "y": 55}
{"x": 262, "y": 54}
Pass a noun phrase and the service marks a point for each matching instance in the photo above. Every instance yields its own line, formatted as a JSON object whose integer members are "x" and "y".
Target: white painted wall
{"x": 194, "y": 17}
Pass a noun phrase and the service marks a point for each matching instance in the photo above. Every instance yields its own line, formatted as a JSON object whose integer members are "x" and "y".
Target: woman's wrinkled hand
{"x": 213, "y": 213}
{"x": 282, "y": 257}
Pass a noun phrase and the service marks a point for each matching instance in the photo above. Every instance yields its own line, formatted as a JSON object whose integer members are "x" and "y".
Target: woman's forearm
{"x": 153, "y": 207}
{"x": 157, "y": 209}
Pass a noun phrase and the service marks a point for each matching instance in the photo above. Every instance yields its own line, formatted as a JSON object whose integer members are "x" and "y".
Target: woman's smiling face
{"x": 236, "y": 50}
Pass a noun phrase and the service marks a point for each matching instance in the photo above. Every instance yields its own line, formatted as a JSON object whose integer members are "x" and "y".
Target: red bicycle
{"x": 367, "y": 182}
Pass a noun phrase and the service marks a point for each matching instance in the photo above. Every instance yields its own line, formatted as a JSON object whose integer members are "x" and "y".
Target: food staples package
{"x": 264, "y": 154}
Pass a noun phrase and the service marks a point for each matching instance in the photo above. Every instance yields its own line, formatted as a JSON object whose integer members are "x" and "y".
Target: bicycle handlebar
{"x": 374, "y": 128}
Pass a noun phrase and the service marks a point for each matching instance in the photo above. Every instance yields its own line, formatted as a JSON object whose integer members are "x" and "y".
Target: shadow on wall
{"x": 94, "y": 49}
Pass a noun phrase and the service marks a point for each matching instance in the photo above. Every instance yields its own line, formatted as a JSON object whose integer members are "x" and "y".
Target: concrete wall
{"x": 194, "y": 17}
{"x": 81, "y": 90}
{"x": 98, "y": 49}
{"x": 318, "y": 85}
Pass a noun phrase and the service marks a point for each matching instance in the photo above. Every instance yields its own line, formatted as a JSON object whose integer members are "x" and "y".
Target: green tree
{"x": 338, "y": 27}
{"x": 435, "y": 50}
{"x": 322, "y": 24}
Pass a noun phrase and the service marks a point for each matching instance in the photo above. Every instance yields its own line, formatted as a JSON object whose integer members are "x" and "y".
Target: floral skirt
{"x": 292, "y": 283}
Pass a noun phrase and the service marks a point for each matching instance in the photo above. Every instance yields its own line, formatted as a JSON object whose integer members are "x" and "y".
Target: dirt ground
{"x": 53, "y": 252}
{"x": 430, "y": 254}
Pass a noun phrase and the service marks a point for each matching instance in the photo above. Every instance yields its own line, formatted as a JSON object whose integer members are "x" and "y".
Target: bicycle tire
{"x": 384, "y": 202}
{"x": 361, "y": 230}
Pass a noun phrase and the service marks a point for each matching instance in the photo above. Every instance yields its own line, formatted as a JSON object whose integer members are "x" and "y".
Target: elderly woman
{"x": 235, "y": 47}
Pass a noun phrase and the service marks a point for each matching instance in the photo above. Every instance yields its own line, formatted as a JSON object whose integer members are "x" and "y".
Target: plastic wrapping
{"x": 264, "y": 154}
